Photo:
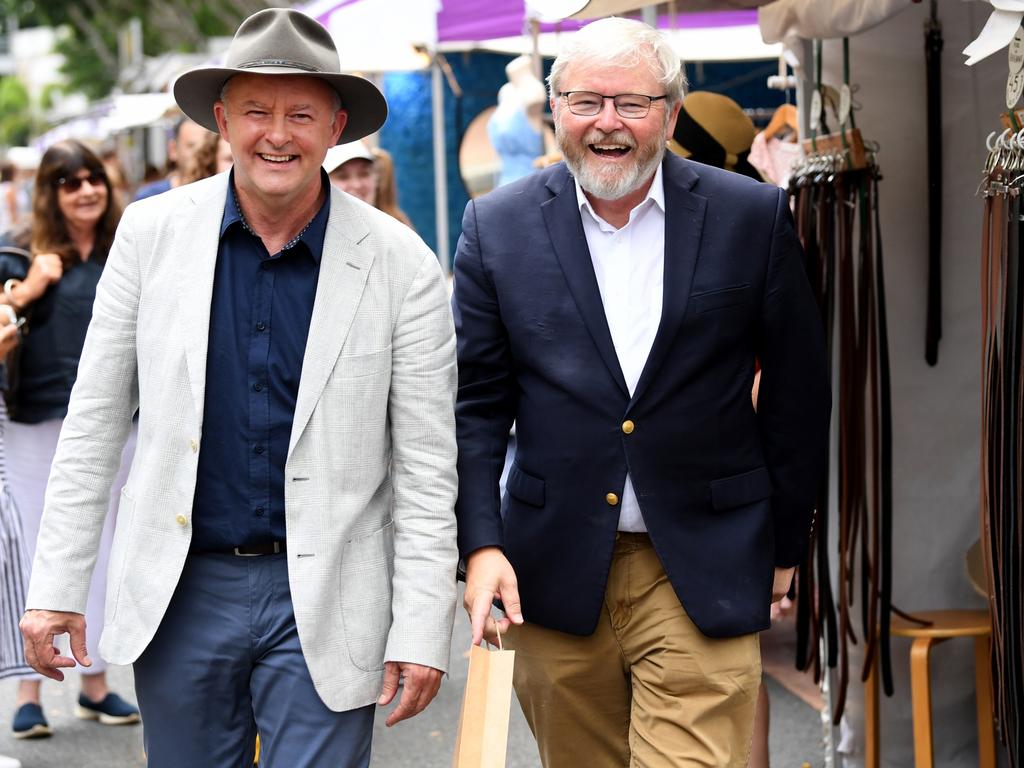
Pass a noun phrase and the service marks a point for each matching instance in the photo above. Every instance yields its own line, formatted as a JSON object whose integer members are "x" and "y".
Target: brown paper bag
{"x": 482, "y": 738}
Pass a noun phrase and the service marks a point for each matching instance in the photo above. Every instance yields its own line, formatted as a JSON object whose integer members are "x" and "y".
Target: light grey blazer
{"x": 370, "y": 478}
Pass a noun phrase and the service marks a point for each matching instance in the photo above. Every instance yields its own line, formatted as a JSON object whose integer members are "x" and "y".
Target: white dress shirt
{"x": 630, "y": 265}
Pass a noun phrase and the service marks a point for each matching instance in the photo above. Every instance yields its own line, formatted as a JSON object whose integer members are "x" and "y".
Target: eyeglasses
{"x": 74, "y": 183}
{"x": 629, "y": 105}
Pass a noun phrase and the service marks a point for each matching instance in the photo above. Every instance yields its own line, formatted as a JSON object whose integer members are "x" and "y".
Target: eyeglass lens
{"x": 74, "y": 183}
{"x": 587, "y": 103}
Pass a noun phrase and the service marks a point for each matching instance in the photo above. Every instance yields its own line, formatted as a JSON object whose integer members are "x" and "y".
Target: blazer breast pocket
{"x": 720, "y": 298}
{"x": 360, "y": 366}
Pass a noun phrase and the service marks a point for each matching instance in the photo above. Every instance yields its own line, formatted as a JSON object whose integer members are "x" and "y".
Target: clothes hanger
{"x": 785, "y": 121}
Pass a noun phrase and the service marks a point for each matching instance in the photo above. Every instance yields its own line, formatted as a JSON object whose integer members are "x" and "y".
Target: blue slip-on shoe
{"x": 30, "y": 723}
{"x": 113, "y": 710}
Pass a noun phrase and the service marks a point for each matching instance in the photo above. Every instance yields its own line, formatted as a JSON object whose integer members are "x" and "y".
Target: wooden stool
{"x": 944, "y": 625}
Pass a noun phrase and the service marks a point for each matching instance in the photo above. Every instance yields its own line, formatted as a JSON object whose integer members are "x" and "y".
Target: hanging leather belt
{"x": 933, "y": 60}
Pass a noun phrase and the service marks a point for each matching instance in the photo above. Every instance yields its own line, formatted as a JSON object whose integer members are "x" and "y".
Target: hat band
{"x": 702, "y": 146}
{"x": 278, "y": 63}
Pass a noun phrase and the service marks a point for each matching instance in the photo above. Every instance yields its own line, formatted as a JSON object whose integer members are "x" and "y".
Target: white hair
{"x": 623, "y": 44}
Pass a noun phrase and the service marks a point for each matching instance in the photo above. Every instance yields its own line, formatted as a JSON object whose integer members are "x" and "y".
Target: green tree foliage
{"x": 90, "y": 51}
{"x": 15, "y": 116}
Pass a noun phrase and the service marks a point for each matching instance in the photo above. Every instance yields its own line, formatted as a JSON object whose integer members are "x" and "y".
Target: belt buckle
{"x": 276, "y": 550}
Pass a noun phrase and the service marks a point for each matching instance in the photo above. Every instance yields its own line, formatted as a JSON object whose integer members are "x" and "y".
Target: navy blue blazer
{"x": 727, "y": 493}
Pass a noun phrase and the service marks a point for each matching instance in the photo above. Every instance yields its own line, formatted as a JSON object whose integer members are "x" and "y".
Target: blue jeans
{"x": 225, "y": 664}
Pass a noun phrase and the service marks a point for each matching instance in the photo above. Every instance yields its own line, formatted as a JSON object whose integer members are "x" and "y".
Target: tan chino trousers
{"x": 646, "y": 689}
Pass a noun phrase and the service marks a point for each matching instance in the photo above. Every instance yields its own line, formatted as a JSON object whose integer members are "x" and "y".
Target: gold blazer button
{"x": 628, "y": 427}
{"x": 612, "y": 499}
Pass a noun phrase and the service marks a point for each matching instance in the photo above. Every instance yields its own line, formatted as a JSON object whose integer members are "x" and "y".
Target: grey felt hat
{"x": 282, "y": 41}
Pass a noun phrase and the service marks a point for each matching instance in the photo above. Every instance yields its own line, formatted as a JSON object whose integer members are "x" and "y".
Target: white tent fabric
{"x": 553, "y": 10}
{"x": 741, "y": 43}
{"x": 783, "y": 20}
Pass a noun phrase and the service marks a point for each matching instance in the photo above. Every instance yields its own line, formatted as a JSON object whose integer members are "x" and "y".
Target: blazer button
{"x": 612, "y": 499}
{"x": 181, "y": 520}
{"x": 628, "y": 427}
{"x": 194, "y": 445}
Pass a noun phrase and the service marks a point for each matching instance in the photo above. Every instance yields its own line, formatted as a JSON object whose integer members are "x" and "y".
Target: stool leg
{"x": 871, "y": 736}
{"x": 921, "y": 696}
{"x": 983, "y": 692}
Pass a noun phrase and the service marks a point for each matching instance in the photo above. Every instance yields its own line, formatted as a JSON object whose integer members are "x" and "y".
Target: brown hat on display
{"x": 714, "y": 130}
{"x": 281, "y": 41}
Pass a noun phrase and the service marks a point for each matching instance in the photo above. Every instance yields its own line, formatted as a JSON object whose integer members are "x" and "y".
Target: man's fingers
{"x": 480, "y": 611}
{"x": 510, "y": 599}
{"x": 390, "y": 686}
{"x": 421, "y": 685}
{"x": 78, "y": 649}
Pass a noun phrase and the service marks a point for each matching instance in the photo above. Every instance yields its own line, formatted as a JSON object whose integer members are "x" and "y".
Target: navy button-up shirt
{"x": 259, "y": 321}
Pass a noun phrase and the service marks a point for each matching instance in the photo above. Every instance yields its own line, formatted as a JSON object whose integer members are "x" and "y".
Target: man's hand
{"x": 780, "y": 584}
{"x": 419, "y": 687}
{"x": 489, "y": 574}
{"x": 39, "y": 628}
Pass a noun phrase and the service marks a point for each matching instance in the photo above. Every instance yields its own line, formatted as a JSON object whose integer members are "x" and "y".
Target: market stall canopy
{"x": 812, "y": 19}
{"x": 504, "y": 26}
{"x": 550, "y": 10}
{"x": 112, "y": 115}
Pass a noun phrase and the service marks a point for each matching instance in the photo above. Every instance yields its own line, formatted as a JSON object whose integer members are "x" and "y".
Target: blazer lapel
{"x": 198, "y": 262}
{"x": 344, "y": 266}
{"x": 565, "y": 228}
{"x": 684, "y": 222}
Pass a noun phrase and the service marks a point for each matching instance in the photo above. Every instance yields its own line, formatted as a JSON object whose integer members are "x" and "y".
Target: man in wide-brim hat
{"x": 285, "y": 545}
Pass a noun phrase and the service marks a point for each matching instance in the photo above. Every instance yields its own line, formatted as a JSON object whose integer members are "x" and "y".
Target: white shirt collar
{"x": 655, "y": 196}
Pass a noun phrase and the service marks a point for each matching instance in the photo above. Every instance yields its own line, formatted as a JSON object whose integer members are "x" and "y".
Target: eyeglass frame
{"x": 74, "y": 183}
{"x": 651, "y": 100}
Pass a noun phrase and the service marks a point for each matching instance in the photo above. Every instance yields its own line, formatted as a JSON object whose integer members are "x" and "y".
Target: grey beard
{"x": 611, "y": 186}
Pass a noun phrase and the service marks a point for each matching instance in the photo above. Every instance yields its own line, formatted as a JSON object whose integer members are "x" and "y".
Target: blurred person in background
{"x": 367, "y": 174}
{"x": 17, "y": 194}
{"x": 69, "y": 235}
{"x": 211, "y": 157}
{"x": 188, "y": 136}
{"x": 13, "y": 563}
{"x": 387, "y": 188}
{"x": 115, "y": 174}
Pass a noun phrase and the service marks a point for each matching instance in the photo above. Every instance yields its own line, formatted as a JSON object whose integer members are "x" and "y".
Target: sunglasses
{"x": 74, "y": 183}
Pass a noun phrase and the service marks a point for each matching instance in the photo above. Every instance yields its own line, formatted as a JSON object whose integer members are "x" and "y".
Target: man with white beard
{"x": 615, "y": 308}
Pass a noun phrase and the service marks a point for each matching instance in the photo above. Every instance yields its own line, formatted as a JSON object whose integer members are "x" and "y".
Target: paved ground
{"x": 424, "y": 742}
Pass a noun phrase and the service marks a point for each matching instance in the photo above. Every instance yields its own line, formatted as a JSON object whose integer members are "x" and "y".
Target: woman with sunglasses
{"x": 74, "y": 216}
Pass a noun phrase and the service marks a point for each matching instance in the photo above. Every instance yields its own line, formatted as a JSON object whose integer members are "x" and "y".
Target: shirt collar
{"x": 655, "y": 196}
{"x": 312, "y": 235}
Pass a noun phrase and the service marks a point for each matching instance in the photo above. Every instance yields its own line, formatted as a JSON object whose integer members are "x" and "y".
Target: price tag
{"x": 815, "y": 116}
{"x": 1017, "y": 52}
{"x": 845, "y": 102}
{"x": 1014, "y": 87}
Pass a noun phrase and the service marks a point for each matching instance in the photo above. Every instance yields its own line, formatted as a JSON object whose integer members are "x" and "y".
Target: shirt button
{"x": 258, "y": 449}
{"x": 261, "y": 326}
{"x": 612, "y": 499}
{"x": 181, "y": 520}
{"x": 259, "y": 511}
{"x": 628, "y": 427}
{"x": 258, "y": 387}
{"x": 194, "y": 445}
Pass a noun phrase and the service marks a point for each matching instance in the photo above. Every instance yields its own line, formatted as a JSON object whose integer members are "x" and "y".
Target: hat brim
{"x": 197, "y": 90}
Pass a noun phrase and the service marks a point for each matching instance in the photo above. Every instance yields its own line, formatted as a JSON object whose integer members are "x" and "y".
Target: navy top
{"x": 50, "y": 351}
{"x": 259, "y": 321}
